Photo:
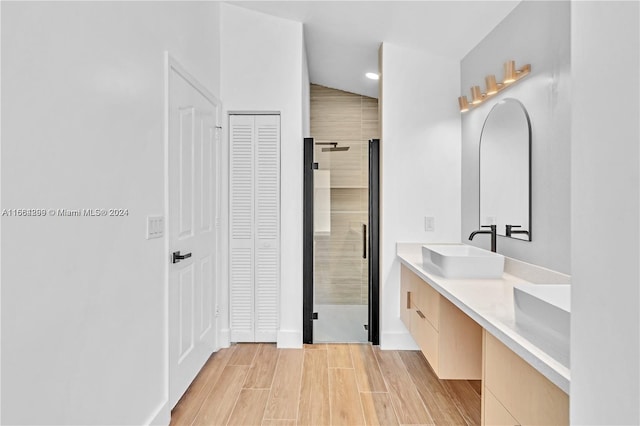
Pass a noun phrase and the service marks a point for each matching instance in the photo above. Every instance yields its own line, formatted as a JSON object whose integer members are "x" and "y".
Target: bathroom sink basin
{"x": 544, "y": 305}
{"x": 463, "y": 261}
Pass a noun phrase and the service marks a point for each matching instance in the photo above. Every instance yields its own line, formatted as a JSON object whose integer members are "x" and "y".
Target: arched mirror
{"x": 505, "y": 170}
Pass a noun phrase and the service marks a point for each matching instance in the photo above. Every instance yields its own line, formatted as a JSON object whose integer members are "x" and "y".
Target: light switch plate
{"x": 429, "y": 223}
{"x": 155, "y": 227}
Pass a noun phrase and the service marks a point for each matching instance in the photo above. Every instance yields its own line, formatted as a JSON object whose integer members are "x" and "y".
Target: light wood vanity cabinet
{"x": 514, "y": 393}
{"x": 448, "y": 338}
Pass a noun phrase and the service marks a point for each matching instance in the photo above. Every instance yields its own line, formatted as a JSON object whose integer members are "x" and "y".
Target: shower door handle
{"x": 364, "y": 241}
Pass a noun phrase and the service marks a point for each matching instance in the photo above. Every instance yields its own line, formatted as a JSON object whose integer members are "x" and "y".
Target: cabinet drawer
{"x": 425, "y": 336}
{"x": 524, "y": 392}
{"x": 428, "y": 300}
{"x": 406, "y": 281}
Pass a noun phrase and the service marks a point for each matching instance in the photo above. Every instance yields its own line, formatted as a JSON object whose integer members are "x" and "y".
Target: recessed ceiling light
{"x": 372, "y": 75}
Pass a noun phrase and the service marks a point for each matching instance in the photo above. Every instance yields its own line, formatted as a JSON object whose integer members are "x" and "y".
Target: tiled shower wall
{"x": 340, "y": 272}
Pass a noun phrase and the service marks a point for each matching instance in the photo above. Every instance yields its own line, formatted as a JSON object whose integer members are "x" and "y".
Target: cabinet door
{"x": 494, "y": 413}
{"x": 460, "y": 344}
{"x": 528, "y": 395}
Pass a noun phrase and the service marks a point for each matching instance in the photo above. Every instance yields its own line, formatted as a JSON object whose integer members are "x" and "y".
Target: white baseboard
{"x": 289, "y": 339}
{"x": 401, "y": 341}
{"x": 225, "y": 338}
{"x": 162, "y": 417}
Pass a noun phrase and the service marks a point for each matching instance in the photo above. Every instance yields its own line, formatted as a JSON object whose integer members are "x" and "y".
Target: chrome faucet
{"x": 493, "y": 232}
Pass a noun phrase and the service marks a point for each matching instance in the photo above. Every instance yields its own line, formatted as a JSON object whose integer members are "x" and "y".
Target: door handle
{"x": 177, "y": 257}
{"x": 420, "y": 314}
{"x": 364, "y": 241}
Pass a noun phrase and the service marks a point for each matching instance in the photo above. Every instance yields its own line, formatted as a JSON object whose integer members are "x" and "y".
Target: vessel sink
{"x": 463, "y": 261}
{"x": 545, "y": 305}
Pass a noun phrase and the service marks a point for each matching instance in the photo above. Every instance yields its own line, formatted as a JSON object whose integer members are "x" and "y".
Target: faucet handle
{"x": 509, "y": 229}
{"x": 489, "y": 226}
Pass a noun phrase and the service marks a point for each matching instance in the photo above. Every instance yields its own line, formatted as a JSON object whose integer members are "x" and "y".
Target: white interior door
{"x": 193, "y": 146}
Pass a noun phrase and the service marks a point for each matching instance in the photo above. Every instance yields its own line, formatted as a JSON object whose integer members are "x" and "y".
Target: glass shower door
{"x": 340, "y": 241}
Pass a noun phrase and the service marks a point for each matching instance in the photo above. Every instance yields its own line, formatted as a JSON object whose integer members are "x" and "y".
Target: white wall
{"x": 537, "y": 33}
{"x": 605, "y": 210}
{"x": 83, "y": 308}
{"x": 420, "y": 167}
{"x": 306, "y": 95}
{"x": 262, "y": 70}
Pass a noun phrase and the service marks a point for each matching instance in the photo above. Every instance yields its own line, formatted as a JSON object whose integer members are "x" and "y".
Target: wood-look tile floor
{"x": 324, "y": 384}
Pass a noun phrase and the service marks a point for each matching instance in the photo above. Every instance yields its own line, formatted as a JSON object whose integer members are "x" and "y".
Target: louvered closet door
{"x": 255, "y": 218}
{"x": 242, "y": 228}
{"x": 267, "y": 226}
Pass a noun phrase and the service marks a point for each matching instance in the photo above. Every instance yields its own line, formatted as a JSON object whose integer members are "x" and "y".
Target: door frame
{"x": 373, "y": 242}
{"x": 171, "y": 64}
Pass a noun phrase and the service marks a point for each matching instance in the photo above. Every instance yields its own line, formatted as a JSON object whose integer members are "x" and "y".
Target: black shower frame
{"x": 373, "y": 242}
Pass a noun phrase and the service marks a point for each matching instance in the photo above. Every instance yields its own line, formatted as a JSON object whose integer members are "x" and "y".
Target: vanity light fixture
{"x": 511, "y": 75}
{"x": 492, "y": 86}
{"x": 476, "y": 95}
{"x": 464, "y": 103}
{"x": 509, "y": 72}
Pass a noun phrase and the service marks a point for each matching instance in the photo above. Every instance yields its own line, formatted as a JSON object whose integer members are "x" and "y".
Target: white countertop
{"x": 489, "y": 302}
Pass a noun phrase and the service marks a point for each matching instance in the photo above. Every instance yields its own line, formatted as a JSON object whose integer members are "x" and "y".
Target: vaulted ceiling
{"x": 342, "y": 37}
